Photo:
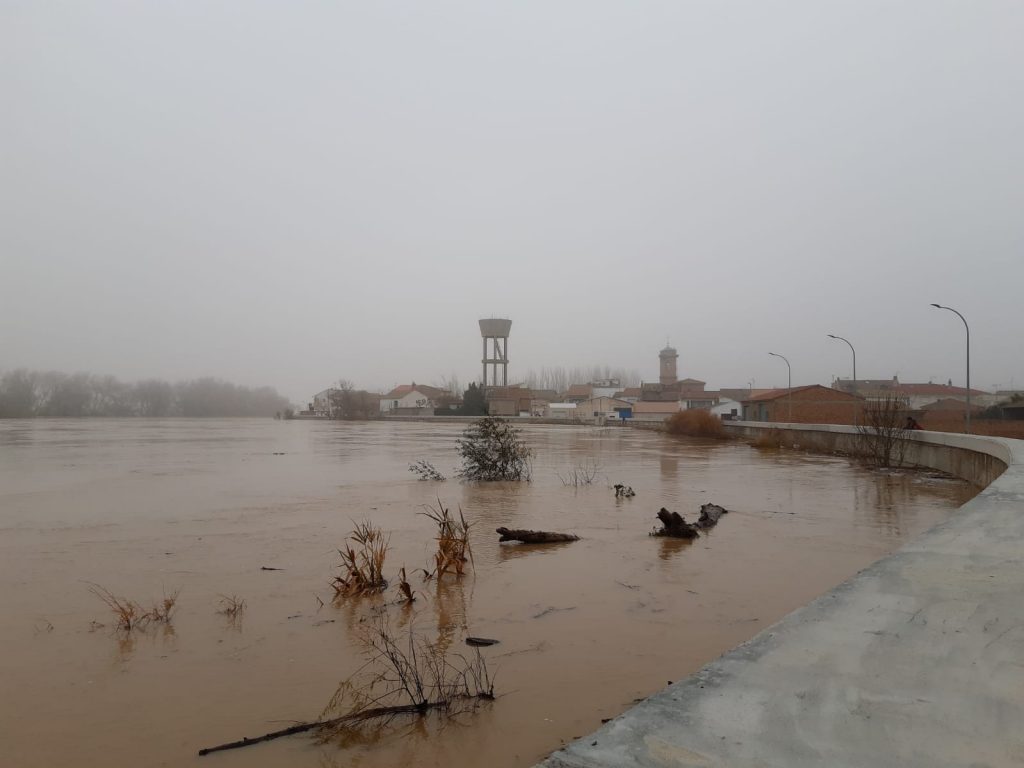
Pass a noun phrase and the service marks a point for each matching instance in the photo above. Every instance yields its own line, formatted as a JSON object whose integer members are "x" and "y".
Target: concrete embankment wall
{"x": 979, "y": 460}
{"x": 917, "y": 660}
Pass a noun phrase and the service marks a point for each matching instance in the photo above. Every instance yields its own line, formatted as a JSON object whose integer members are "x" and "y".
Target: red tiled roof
{"x": 949, "y": 404}
{"x": 404, "y": 389}
{"x": 934, "y": 389}
{"x": 579, "y": 390}
{"x": 775, "y": 394}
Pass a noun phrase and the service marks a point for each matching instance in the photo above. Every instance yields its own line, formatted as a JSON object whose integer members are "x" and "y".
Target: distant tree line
{"x": 50, "y": 394}
{"x": 560, "y": 378}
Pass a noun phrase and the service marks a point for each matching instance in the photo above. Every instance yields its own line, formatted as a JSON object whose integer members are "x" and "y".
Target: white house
{"x": 728, "y": 409}
{"x": 412, "y": 399}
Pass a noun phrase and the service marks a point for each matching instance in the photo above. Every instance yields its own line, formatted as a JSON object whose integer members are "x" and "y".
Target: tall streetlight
{"x": 939, "y": 306}
{"x": 789, "y": 387}
{"x": 854, "y": 382}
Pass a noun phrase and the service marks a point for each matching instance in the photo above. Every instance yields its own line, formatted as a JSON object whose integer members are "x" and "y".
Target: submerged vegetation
{"x": 130, "y": 615}
{"x": 425, "y": 470}
{"x": 492, "y": 449}
{"x": 581, "y": 474}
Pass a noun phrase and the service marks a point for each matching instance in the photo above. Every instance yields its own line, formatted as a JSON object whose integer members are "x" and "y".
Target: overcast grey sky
{"x": 291, "y": 192}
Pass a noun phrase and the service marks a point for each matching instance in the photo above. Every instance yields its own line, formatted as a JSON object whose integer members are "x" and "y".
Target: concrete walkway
{"x": 916, "y": 661}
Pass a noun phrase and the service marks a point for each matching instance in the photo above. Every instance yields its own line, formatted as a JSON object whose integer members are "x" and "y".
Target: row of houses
{"x": 606, "y": 400}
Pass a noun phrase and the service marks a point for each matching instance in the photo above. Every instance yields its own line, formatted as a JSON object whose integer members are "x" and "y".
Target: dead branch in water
{"x": 334, "y": 722}
{"x": 534, "y": 537}
{"x": 396, "y": 680}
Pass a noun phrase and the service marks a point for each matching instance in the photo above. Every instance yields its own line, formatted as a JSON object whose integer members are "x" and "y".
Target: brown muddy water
{"x": 147, "y": 506}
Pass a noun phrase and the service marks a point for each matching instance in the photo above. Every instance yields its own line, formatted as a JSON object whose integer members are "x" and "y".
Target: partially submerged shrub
{"x": 425, "y": 470}
{"x": 695, "y": 422}
{"x": 362, "y": 566}
{"x": 492, "y": 449}
{"x": 453, "y": 550}
{"x": 411, "y": 676}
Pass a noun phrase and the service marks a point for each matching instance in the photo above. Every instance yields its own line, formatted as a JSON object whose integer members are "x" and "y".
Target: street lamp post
{"x": 789, "y": 387}
{"x": 854, "y": 382}
{"x": 968, "y": 328}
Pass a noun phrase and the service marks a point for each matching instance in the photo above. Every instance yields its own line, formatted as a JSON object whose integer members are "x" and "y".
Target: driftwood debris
{"x": 710, "y": 515}
{"x": 480, "y": 642}
{"x": 675, "y": 526}
{"x": 534, "y": 537}
{"x": 355, "y": 717}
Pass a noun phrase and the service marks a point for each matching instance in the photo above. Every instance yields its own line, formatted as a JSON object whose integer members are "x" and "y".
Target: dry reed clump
{"x": 453, "y": 549}
{"x": 408, "y": 596}
{"x": 130, "y": 615}
{"x": 695, "y": 423}
{"x": 362, "y": 566}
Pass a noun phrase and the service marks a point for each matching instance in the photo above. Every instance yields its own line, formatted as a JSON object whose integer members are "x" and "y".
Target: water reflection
{"x": 669, "y": 547}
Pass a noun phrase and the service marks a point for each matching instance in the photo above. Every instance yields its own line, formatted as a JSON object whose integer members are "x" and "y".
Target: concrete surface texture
{"x": 916, "y": 661}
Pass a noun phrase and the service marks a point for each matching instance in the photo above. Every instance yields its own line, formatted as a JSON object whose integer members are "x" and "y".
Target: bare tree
{"x": 346, "y": 402}
{"x": 882, "y": 434}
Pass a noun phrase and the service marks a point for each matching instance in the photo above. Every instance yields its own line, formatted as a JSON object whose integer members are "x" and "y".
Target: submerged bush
{"x": 695, "y": 423}
{"x": 492, "y": 449}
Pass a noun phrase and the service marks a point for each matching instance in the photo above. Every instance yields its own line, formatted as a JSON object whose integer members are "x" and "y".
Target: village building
{"x": 812, "y": 404}
{"x": 914, "y": 396}
{"x": 655, "y": 411}
{"x": 412, "y": 400}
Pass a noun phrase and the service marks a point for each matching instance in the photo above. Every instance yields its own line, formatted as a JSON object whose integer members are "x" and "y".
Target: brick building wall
{"x": 811, "y": 405}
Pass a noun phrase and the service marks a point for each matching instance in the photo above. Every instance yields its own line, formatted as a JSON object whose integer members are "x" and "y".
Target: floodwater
{"x": 144, "y": 507}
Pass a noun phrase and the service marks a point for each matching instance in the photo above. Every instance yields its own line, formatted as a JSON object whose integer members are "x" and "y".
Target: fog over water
{"x": 288, "y": 193}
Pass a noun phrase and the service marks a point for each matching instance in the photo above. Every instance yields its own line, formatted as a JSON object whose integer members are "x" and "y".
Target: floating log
{"x": 480, "y": 642}
{"x": 709, "y": 515}
{"x": 675, "y": 526}
{"x": 534, "y": 537}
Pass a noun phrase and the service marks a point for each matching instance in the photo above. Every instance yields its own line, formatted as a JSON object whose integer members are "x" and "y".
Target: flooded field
{"x": 146, "y": 507}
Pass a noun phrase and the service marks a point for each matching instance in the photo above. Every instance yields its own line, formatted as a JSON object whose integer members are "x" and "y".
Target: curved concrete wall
{"x": 974, "y": 458}
{"x": 916, "y": 661}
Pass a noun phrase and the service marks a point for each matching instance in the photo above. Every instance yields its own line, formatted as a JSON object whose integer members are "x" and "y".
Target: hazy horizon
{"x": 289, "y": 194}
